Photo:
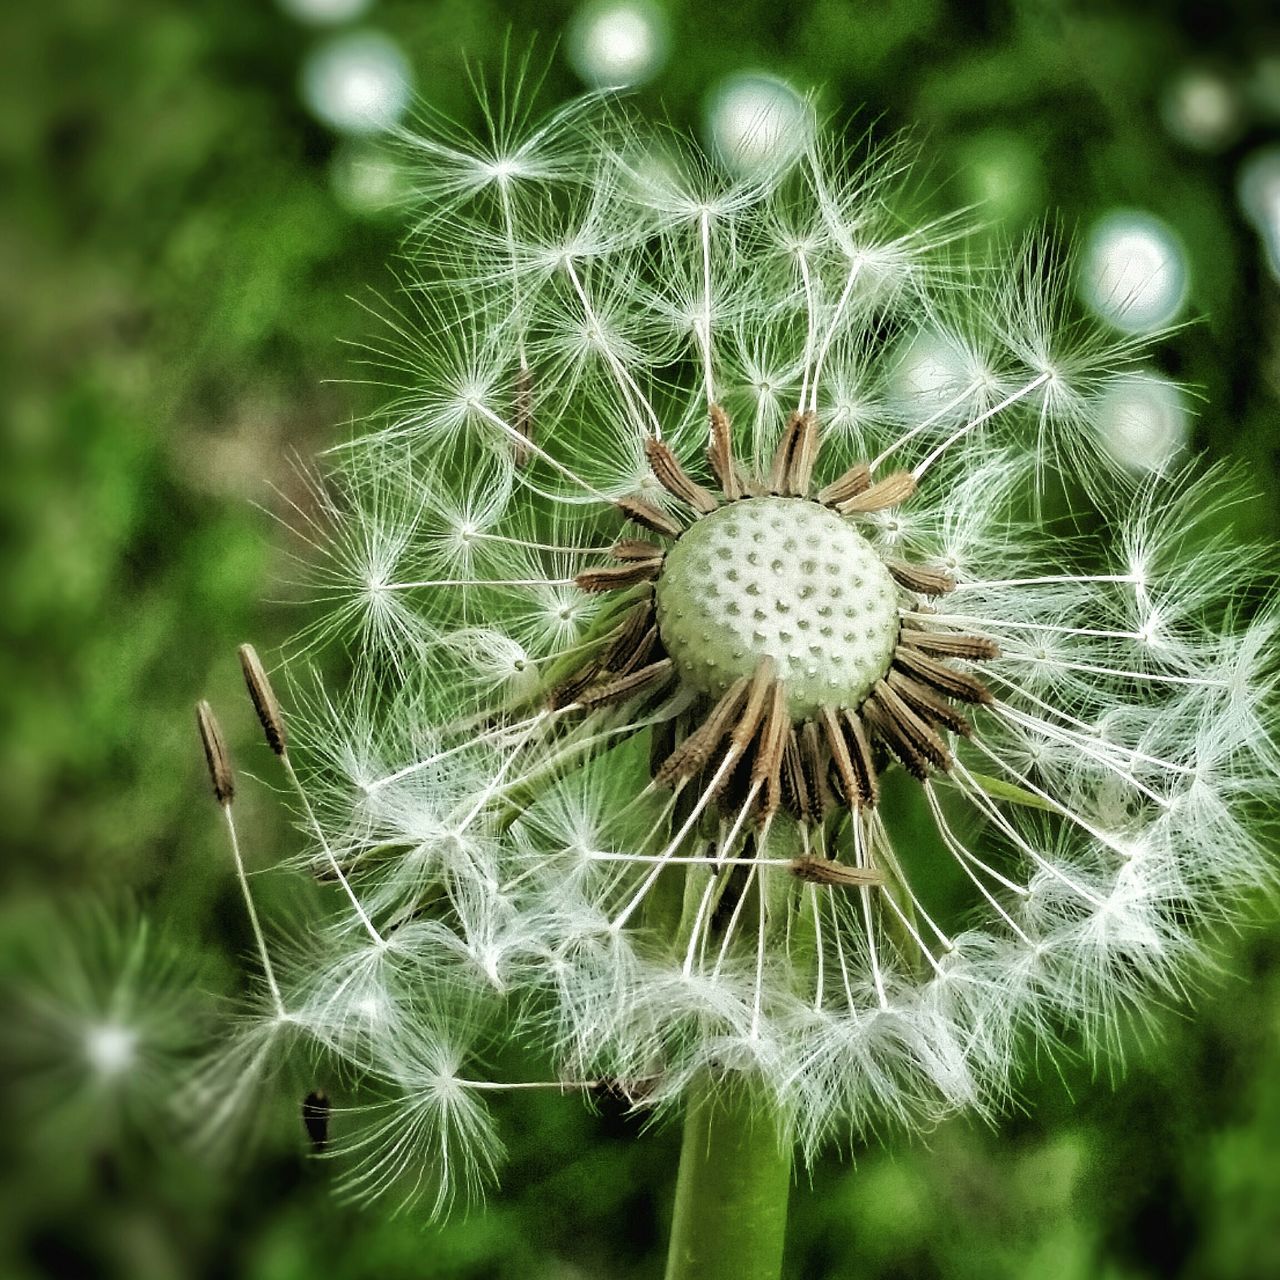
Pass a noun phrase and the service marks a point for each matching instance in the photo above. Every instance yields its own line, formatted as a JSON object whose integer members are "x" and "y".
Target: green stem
{"x": 730, "y": 1214}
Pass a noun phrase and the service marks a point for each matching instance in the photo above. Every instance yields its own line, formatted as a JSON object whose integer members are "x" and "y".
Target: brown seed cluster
{"x": 744, "y": 746}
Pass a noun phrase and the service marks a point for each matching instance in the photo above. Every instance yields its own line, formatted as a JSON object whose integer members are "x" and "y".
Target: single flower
{"x": 763, "y": 680}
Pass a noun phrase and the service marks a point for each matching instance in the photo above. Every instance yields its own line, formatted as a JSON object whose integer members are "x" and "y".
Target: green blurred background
{"x": 180, "y": 257}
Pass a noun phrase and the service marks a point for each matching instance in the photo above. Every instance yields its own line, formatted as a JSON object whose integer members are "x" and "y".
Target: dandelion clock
{"x": 794, "y": 757}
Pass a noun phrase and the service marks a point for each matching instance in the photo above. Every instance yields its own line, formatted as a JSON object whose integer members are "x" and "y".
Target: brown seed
{"x": 766, "y": 771}
{"x": 920, "y": 579}
{"x": 804, "y": 453}
{"x": 946, "y": 645}
{"x": 639, "y": 654}
{"x": 627, "y": 635}
{"x": 216, "y": 756}
{"x": 947, "y": 680}
{"x": 826, "y": 871}
{"x": 927, "y": 704}
{"x": 649, "y": 517}
{"x": 795, "y": 788}
{"x": 854, "y": 481}
{"x": 889, "y": 492}
{"x": 890, "y": 730}
{"x": 693, "y": 754}
{"x": 626, "y": 650}
{"x": 814, "y": 762}
{"x": 613, "y": 577}
{"x": 568, "y": 691}
{"x": 861, "y": 758}
{"x": 735, "y": 777}
{"x": 673, "y": 477}
{"x": 792, "y": 466}
{"x": 752, "y": 714}
{"x": 264, "y": 698}
{"x": 655, "y": 675}
{"x": 720, "y": 454}
{"x": 635, "y": 549}
{"x": 913, "y": 727}
{"x": 850, "y": 783}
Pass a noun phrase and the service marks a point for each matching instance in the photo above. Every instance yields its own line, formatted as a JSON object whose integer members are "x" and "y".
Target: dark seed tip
{"x": 216, "y": 756}
{"x": 264, "y": 698}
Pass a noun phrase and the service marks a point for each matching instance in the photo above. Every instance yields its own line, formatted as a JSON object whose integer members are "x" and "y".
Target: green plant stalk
{"x": 730, "y": 1215}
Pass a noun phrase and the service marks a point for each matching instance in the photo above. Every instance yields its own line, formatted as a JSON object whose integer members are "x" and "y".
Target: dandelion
{"x": 727, "y": 721}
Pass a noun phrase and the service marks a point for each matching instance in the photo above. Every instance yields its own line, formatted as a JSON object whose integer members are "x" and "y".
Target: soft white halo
{"x": 929, "y": 371}
{"x": 756, "y": 121}
{"x": 1143, "y": 421}
{"x": 110, "y": 1048}
{"x": 1134, "y": 271}
{"x": 1264, "y": 86}
{"x": 365, "y": 178}
{"x": 1258, "y": 188}
{"x": 325, "y": 13}
{"x": 611, "y": 44}
{"x": 358, "y": 82}
{"x": 1202, "y": 109}
{"x": 1002, "y": 175}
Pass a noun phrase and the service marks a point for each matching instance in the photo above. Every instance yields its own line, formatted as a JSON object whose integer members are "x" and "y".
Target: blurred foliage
{"x": 175, "y": 280}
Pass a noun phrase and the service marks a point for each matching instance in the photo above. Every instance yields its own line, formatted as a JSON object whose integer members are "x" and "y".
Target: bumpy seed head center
{"x": 784, "y": 578}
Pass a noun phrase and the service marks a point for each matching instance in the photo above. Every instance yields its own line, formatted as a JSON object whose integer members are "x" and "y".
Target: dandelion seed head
{"x": 783, "y": 579}
{"x": 696, "y": 552}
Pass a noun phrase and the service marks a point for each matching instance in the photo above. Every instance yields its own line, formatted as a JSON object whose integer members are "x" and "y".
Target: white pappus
{"x": 722, "y": 534}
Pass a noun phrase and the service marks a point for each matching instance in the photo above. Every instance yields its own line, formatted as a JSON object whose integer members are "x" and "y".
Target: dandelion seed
{"x": 639, "y": 694}
{"x": 102, "y": 1021}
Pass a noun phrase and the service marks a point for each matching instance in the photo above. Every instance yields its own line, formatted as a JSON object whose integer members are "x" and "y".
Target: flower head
{"x": 725, "y": 699}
